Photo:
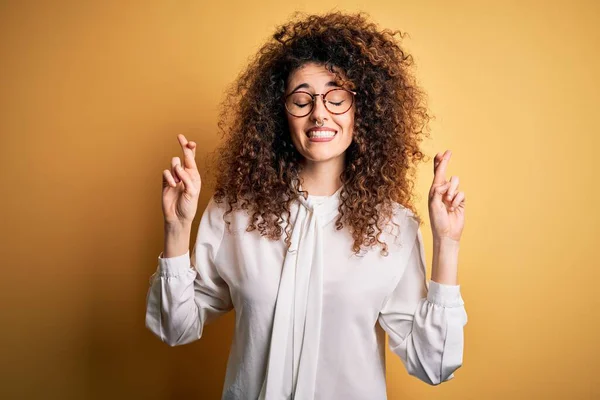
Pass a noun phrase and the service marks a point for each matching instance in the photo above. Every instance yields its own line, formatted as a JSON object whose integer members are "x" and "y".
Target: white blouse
{"x": 310, "y": 322}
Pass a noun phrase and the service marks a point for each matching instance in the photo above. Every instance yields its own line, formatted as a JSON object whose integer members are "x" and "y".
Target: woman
{"x": 317, "y": 169}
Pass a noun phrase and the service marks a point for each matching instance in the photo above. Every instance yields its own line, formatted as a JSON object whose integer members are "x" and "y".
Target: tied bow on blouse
{"x": 292, "y": 364}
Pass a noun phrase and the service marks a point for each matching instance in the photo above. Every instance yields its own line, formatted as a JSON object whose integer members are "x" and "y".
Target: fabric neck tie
{"x": 293, "y": 355}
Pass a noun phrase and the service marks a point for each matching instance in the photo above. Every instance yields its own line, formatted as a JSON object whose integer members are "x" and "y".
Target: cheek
{"x": 296, "y": 131}
{"x": 295, "y": 124}
{"x": 347, "y": 123}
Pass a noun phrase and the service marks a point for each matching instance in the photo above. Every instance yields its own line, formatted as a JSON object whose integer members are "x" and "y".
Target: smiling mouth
{"x": 321, "y": 134}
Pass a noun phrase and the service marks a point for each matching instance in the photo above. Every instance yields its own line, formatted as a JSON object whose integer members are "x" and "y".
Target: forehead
{"x": 313, "y": 74}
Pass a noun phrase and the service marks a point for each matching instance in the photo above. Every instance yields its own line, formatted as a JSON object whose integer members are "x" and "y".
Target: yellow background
{"x": 92, "y": 95}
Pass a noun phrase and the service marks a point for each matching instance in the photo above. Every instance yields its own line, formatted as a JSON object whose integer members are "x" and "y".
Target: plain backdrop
{"x": 93, "y": 94}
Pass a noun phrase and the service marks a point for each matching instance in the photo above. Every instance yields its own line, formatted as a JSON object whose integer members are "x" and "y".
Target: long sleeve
{"x": 186, "y": 292}
{"x": 425, "y": 322}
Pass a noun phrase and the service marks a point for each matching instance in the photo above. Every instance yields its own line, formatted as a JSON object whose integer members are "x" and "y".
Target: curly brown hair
{"x": 257, "y": 162}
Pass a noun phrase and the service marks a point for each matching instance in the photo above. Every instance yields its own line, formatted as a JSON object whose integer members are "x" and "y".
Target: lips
{"x": 319, "y": 130}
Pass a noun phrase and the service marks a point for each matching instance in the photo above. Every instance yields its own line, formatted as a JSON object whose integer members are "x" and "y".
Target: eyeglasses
{"x": 337, "y": 101}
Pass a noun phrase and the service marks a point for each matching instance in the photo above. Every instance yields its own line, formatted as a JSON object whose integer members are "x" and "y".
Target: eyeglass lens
{"x": 336, "y": 101}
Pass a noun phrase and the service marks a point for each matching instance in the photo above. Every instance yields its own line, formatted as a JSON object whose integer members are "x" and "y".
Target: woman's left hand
{"x": 446, "y": 203}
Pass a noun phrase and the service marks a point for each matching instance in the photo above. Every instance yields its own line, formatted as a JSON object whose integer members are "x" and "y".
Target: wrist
{"x": 177, "y": 228}
{"x": 177, "y": 240}
{"x": 445, "y": 261}
{"x": 445, "y": 242}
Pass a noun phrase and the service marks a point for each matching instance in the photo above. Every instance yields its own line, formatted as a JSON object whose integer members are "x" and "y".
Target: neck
{"x": 322, "y": 178}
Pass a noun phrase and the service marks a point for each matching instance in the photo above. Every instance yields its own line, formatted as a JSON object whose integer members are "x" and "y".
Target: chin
{"x": 321, "y": 156}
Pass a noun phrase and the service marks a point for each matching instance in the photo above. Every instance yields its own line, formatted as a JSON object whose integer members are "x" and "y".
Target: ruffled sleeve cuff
{"x": 444, "y": 295}
{"x": 174, "y": 266}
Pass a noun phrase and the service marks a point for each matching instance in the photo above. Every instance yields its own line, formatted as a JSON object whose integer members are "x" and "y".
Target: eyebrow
{"x": 306, "y": 85}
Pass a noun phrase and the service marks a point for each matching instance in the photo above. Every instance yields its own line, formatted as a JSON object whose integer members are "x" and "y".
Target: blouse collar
{"x": 326, "y": 207}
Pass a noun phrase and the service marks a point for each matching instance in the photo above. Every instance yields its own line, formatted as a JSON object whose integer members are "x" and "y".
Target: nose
{"x": 319, "y": 111}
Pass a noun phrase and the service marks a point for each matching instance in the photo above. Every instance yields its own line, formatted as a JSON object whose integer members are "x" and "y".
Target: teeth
{"x": 321, "y": 134}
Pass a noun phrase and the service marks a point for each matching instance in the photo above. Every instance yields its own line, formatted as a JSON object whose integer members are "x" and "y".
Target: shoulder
{"x": 402, "y": 214}
{"x": 213, "y": 213}
{"x": 403, "y": 225}
{"x": 215, "y": 207}
{"x": 219, "y": 213}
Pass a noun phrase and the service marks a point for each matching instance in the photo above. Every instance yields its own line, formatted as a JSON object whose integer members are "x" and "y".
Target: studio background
{"x": 93, "y": 94}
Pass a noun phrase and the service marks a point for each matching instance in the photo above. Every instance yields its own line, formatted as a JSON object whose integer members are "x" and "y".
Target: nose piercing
{"x": 320, "y": 123}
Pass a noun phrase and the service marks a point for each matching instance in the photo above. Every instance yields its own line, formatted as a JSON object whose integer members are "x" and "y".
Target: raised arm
{"x": 186, "y": 292}
{"x": 425, "y": 321}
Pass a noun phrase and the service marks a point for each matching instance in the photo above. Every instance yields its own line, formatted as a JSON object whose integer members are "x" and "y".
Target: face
{"x": 314, "y": 78}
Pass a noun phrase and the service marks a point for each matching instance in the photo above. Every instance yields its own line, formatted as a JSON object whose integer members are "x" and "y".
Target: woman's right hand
{"x": 181, "y": 186}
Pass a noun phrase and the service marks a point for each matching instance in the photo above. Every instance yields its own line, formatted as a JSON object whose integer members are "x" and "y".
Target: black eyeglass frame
{"x": 314, "y": 100}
